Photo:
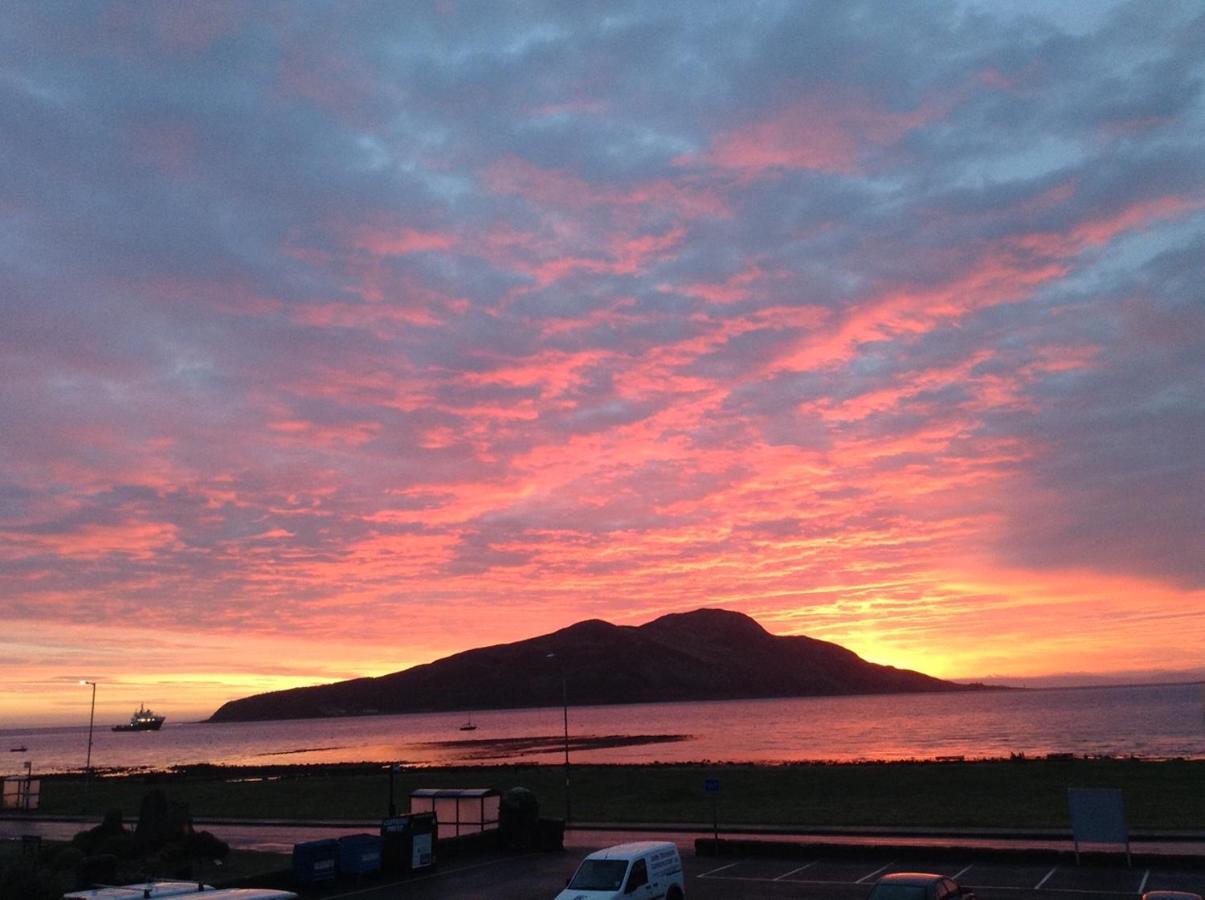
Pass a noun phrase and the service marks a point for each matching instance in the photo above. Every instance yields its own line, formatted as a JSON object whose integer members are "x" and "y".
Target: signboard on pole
{"x": 1097, "y": 817}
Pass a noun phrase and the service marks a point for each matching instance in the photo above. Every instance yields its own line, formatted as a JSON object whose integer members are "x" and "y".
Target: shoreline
{"x": 469, "y": 764}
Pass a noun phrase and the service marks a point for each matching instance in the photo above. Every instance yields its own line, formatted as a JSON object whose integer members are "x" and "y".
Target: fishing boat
{"x": 468, "y": 725}
{"x": 143, "y": 720}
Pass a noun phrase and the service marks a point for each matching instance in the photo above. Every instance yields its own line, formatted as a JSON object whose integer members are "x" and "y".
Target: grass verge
{"x": 1159, "y": 795}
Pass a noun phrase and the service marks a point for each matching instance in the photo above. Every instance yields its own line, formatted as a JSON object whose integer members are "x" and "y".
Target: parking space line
{"x": 1038, "y": 886}
{"x": 793, "y": 871}
{"x": 865, "y": 878}
{"x": 720, "y": 869}
{"x": 962, "y": 872}
{"x": 1142, "y": 887}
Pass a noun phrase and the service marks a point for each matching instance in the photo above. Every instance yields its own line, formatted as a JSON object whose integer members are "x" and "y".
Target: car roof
{"x": 630, "y": 850}
{"x": 920, "y": 879}
{"x": 141, "y": 889}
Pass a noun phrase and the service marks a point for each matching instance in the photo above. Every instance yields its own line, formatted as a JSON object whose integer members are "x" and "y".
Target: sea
{"x": 1149, "y": 721}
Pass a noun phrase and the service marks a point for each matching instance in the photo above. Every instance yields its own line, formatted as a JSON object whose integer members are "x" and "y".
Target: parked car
{"x": 918, "y": 886}
{"x": 632, "y": 871}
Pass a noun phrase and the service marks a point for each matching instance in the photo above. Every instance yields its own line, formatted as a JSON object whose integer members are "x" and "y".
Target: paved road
{"x": 541, "y": 876}
{"x": 838, "y": 876}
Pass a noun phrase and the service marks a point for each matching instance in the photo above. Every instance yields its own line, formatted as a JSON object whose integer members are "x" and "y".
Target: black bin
{"x": 408, "y": 842}
{"x": 550, "y": 834}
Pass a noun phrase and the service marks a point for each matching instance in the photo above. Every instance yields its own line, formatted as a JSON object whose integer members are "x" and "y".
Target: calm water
{"x": 1152, "y": 721}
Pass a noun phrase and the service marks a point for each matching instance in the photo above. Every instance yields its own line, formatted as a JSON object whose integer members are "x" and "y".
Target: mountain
{"x": 709, "y": 654}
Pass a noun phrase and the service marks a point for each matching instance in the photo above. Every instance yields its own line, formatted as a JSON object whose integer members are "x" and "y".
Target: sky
{"x": 339, "y": 337}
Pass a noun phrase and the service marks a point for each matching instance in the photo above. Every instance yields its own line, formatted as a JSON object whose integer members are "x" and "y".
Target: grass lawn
{"x": 1027, "y": 794}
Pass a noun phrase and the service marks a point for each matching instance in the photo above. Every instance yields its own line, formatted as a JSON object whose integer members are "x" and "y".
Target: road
{"x": 837, "y": 876}
{"x": 541, "y": 876}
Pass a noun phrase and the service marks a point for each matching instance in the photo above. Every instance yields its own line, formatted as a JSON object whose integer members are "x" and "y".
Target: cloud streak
{"x": 380, "y": 337}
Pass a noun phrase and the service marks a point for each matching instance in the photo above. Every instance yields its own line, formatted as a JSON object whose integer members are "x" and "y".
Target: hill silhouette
{"x": 708, "y": 654}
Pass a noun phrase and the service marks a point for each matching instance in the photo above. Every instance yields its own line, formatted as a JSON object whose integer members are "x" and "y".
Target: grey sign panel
{"x": 1097, "y": 817}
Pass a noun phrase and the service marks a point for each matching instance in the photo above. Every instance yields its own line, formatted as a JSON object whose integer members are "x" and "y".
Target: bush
{"x": 205, "y": 845}
{"x": 98, "y": 869}
{"x": 123, "y": 846}
{"x": 112, "y": 827}
{"x": 24, "y": 881}
{"x": 67, "y": 858}
{"x": 518, "y": 815}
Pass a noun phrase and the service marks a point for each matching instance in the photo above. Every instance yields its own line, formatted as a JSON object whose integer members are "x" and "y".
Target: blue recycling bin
{"x": 315, "y": 861}
{"x": 360, "y": 854}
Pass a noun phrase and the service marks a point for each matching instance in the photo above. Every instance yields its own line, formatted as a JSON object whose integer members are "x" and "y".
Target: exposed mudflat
{"x": 497, "y": 748}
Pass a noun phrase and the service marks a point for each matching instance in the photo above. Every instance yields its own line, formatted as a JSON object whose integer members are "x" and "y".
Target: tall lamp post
{"x": 91, "y": 721}
{"x": 565, "y": 715}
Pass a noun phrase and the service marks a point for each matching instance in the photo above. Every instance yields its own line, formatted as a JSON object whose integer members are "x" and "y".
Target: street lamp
{"x": 565, "y": 712}
{"x": 91, "y": 720}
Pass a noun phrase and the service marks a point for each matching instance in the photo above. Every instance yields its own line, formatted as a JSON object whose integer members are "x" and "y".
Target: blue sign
{"x": 711, "y": 786}
{"x": 1097, "y": 816}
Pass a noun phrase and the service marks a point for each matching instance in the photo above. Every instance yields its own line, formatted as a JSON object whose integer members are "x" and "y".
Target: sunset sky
{"x": 336, "y": 338}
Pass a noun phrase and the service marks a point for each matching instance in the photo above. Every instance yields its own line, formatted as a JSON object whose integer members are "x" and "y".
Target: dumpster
{"x": 315, "y": 861}
{"x": 408, "y": 842}
{"x": 359, "y": 854}
{"x": 550, "y": 834}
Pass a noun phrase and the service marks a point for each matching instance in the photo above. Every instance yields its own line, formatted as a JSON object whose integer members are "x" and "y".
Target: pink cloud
{"x": 732, "y": 290}
{"x": 558, "y": 188}
{"x": 826, "y": 132}
{"x": 400, "y": 241}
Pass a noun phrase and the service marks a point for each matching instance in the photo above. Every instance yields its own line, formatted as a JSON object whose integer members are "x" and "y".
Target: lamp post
{"x": 565, "y": 715}
{"x": 91, "y": 720}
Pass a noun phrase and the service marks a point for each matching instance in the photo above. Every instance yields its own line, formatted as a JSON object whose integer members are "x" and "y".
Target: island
{"x": 708, "y": 654}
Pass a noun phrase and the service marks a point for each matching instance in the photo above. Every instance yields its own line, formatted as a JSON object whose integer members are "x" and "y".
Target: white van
{"x": 146, "y": 890}
{"x": 640, "y": 870}
{"x": 152, "y": 890}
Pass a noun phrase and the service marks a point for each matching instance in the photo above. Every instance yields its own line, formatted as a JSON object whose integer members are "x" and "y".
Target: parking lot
{"x": 541, "y": 876}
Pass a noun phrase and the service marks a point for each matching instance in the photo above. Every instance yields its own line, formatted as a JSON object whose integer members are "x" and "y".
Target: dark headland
{"x": 708, "y": 654}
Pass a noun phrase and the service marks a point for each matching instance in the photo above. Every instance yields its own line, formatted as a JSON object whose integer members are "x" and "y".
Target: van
{"x": 640, "y": 870}
{"x": 146, "y": 890}
{"x": 153, "y": 890}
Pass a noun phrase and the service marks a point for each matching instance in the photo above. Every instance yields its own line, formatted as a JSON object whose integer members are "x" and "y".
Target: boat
{"x": 468, "y": 725}
{"x": 143, "y": 720}
{"x": 21, "y": 749}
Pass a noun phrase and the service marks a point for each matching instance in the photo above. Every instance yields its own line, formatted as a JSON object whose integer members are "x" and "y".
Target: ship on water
{"x": 143, "y": 720}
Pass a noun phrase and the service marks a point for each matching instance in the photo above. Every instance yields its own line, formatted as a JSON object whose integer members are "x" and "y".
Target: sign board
{"x": 1097, "y": 817}
{"x": 420, "y": 851}
{"x": 711, "y": 786}
{"x": 394, "y": 824}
